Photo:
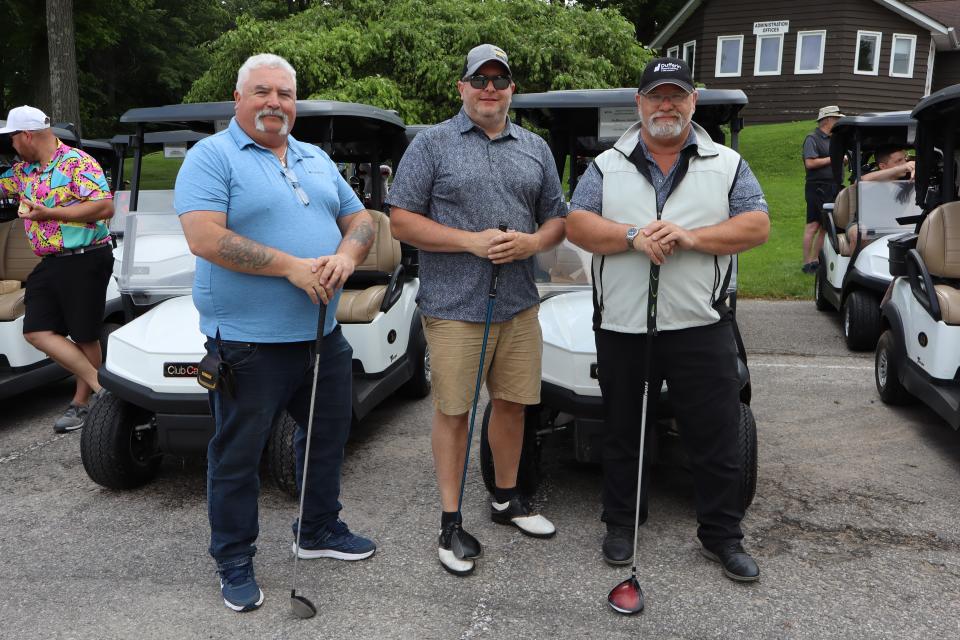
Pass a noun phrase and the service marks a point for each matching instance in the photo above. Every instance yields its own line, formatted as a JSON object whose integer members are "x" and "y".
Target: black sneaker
{"x": 618, "y": 545}
{"x": 517, "y": 513}
{"x": 448, "y": 559}
{"x": 737, "y": 564}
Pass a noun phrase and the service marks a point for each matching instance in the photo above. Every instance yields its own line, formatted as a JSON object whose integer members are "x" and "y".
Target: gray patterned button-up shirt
{"x": 457, "y": 176}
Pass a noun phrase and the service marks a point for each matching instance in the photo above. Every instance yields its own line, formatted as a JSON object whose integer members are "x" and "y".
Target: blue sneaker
{"x": 335, "y": 542}
{"x": 239, "y": 587}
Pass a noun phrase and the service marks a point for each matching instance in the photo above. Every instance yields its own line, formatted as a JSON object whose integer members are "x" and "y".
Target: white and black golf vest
{"x": 692, "y": 284}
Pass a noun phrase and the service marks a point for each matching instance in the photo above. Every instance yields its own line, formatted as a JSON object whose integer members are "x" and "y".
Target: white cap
{"x": 25, "y": 119}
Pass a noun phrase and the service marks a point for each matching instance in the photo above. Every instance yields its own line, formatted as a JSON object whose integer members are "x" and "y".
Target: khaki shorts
{"x": 511, "y": 366}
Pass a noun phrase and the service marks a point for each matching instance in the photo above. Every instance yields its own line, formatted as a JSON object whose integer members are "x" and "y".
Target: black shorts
{"x": 67, "y": 294}
{"x": 817, "y": 195}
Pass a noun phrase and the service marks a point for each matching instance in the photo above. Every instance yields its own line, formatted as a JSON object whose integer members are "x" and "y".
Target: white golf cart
{"x": 580, "y": 125}
{"x": 156, "y": 406}
{"x": 22, "y": 367}
{"x": 918, "y": 354}
{"x": 854, "y": 266}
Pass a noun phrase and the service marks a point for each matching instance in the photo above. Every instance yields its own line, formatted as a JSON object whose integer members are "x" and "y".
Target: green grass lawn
{"x": 773, "y": 269}
{"x": 773, "y": 151}
{"x": 158, "y": 172}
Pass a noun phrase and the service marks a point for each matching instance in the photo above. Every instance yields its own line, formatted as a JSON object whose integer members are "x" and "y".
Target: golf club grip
{"x": 321, "y": 323}
{"x": 496, "y": 268}
{"x": 652, "y": 290}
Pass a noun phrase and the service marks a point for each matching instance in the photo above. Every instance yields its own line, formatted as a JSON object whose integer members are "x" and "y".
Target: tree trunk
{"x": 62, "y": 50}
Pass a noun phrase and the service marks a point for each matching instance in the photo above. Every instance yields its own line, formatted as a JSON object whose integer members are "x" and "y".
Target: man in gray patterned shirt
{"x": 457, "y": 182}
{"x": 668, "y": 205}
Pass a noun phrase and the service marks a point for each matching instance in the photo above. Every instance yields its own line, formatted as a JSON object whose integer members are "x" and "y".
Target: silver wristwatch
{"x": 632, "y": 233}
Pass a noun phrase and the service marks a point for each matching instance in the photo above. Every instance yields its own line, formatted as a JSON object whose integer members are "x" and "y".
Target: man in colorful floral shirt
{"x": 64, "y": 201}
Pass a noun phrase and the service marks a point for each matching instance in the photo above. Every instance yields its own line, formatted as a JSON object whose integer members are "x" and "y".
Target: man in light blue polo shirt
{"x": 276, "y": 230}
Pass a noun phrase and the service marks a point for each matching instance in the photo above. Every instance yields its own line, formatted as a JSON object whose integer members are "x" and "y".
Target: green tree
{"x": 648, "y": 16}
{"x": 406, "y": 54}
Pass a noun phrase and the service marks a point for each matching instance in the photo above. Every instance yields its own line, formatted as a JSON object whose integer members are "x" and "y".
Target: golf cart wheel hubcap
{"x": 426, "y": 365}
{"x": 882, "y": 369}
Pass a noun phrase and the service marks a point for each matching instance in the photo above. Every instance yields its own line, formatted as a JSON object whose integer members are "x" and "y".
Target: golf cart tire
{"x": 886, "y": 372}
{"x": 819, "y": 282}
{"x": 282, "y": 456}
{"x": 114, "y": 454}
{"x": 528, "y": 472}
{"x": 747, "y": 439}
{"x": 861, "y": 320}
{"x": 418, "y": 386}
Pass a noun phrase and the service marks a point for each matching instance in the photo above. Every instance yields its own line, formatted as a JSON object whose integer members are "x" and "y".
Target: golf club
{"x": 462, "y": 543}
{"x": 627, "y": 597}
{"x": 301, "y": 606}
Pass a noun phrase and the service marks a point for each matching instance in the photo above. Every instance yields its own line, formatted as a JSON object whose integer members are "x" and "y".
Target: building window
{"x": 867, "y": 61}
{"x": 769, "y": 50}
{"x": 729, "y": 56}
{"x": 810, "y": 45}
{"x": 689, "y": 53}
{"x": 901, "y": 55}
{"x": 673, "y": 52}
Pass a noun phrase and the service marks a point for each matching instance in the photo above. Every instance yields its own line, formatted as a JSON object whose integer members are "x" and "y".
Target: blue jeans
{"x": 268, "y": 379}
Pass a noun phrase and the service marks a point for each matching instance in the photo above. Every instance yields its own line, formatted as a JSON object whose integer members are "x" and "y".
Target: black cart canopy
{"x": 861, "y": 136}
{"x": 586, "y": 122}
{"x": 348, "y": 132}
{"x": 938, "y": 127}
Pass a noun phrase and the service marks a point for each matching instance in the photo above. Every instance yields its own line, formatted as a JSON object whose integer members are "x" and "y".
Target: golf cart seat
{"x": 939, "y": 246}
{"x": 17, "y": 260}
{"x": 375, "y": 284}
{"x": 844, "y": 212}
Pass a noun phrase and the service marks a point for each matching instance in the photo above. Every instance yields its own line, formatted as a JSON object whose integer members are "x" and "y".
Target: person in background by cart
{"x": 820, "y": 186}
{"x": 64, "y": 201}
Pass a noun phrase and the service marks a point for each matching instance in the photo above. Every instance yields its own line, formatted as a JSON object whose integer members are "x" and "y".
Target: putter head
{"x": 626, "y": 597}
{"x": 301, "y": 607}
{"x": 464, "y": 545}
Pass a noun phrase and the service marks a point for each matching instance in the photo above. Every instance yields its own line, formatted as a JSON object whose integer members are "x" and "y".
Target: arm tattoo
{"x": 243, "y": 252}
{"x": 363, "y": 234}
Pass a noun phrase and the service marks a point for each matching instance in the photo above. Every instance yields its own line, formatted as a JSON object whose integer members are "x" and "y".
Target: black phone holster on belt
{"x": 214, "y": 373}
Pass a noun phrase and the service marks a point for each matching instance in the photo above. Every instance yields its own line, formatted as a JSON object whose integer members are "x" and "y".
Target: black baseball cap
{"x": 666, "y": 71}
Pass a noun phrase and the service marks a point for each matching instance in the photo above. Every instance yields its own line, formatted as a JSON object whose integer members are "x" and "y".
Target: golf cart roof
{"x": 859, "y": 136}
{"x": 576, "y": 112}
{"x": 938, "y": 130}
{"x": 161, "y": 137}
{"x": 349, "y": 132}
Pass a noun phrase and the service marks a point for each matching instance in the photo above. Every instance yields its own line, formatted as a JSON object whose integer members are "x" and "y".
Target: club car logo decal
{"x": 180, "y": 369}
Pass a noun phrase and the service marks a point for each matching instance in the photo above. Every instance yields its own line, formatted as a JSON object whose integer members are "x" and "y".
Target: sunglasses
{"x": 480, "y": 82}
{"x": 294, "y": 183}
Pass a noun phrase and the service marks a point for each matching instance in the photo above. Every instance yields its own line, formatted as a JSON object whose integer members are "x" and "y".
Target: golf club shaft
{"x": 491, "y": 297}
{"x": 306, "y": 452}
{"x": 652, "y": 291}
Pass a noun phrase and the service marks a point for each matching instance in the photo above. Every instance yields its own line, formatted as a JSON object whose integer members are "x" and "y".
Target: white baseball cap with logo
{"x": 25, "y": 119}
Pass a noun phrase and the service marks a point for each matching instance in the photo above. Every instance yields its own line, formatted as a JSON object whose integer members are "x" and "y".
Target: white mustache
{"x": 258, "y": 120}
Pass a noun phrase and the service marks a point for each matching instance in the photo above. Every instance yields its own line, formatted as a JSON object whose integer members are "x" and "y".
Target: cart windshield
{"x": 156, "y": 262}
{"x": 881, "y": 203}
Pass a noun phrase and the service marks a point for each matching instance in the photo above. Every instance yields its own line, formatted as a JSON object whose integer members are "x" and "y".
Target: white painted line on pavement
{"x": 36, "y": 445}
{"x": 809, "y": 366}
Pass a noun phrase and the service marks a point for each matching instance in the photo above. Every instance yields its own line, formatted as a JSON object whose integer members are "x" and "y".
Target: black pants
{"x": 700, "y": 367}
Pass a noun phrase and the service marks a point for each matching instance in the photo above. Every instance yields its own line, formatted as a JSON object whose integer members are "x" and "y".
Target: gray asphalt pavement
{"x": 856, "y": 526}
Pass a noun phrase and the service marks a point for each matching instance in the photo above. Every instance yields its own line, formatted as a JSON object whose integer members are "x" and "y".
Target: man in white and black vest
{"x": 667, "y": 198}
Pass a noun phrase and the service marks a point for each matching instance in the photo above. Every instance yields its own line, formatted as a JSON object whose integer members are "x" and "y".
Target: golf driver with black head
{"x": 463, "y": 545}
{"x": 627, "y": 597}
{"x": 301, "y": 606}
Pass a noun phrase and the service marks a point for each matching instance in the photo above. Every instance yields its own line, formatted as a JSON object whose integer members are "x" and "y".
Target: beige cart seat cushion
{"x": 17, "y": 260}
{"x": 362, "y": 305}
{"x": 939, "y": 241}
{"x": 844, "y": 212}
{"x": 949, "y": 299}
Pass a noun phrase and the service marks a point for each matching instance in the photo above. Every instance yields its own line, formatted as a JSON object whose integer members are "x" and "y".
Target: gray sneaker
{"x": 98, "y": 396}
{"x": 72, "y": 419}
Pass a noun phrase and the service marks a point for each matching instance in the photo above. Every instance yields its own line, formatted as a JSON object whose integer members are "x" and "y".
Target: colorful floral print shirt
{"x": 71, "y": 177}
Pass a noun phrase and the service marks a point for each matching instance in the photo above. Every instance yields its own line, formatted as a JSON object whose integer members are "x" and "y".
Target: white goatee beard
{"x": 665, "y": 130}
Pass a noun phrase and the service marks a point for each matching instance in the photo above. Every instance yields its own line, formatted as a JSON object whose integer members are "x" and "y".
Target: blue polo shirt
{"x": 230, "y": 173}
